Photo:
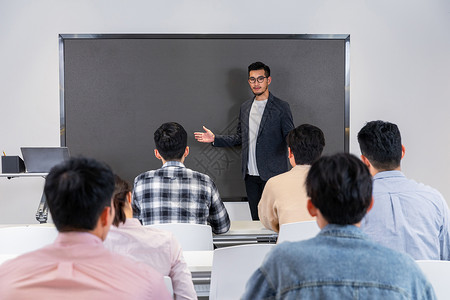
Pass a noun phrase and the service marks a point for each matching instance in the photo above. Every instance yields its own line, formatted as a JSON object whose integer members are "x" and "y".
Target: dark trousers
{"x": 254, "y": 186}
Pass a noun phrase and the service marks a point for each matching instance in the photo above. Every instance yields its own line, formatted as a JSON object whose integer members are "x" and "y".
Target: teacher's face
{"x": 259, "y": 88}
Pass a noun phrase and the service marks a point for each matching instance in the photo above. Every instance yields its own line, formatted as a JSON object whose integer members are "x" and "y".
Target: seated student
{"x": 407, "y": 216}
{"x": 341, "y": 262}
{"x": 155, "y": 247}
{"x": 174, "y": 193}
{"x": 77, "y": 265}
{"x": 284, "y": 198}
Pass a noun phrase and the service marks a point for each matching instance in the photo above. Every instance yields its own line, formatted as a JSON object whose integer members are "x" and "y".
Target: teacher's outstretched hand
{"x": 204, "y": 137}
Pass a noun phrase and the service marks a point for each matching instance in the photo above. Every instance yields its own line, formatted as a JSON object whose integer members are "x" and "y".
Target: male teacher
{"x": 264, "y": 123}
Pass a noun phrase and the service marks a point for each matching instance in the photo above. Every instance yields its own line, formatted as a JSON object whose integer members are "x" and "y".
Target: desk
{"x": 200, "y": 265}
{"x": 245, "y": 232}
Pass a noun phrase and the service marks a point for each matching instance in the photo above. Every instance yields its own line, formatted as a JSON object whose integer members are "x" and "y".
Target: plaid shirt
{"x": 176, "y": 194}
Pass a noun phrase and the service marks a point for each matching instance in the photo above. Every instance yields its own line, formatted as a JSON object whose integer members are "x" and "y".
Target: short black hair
{"x": 340, "y": 186}
{"x": 306, "y": 143}
{"x": 381, "y": 143}
{"x": 259, "y": 66}
{"x": 171, "y": 141}
{"x": 121, "y": 190}
{"x": 77, "y": 191}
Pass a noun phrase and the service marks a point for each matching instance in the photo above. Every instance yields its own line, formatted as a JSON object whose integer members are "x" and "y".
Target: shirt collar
{"x": 77, "y": 237}
{"x": 388, "y": 174}
{"x": 301, "y": 167}
{"x": 173, "y": 163}
{"x": 349, "y": 231}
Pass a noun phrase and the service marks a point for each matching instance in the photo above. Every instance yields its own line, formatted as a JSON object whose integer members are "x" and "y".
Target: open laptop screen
{"x": 42, "y": 159}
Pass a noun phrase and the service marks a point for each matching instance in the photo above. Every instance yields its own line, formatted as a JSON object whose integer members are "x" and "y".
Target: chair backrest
{"x": 437, "y": 273}
{"x": 169, "y": 286}
{"x": 298, "y": 231}
{"x": 192, "y": 237}
{"x": 17, "y": 240}
{"x": 238, "y": 211}
{"x": 232, "y": 267}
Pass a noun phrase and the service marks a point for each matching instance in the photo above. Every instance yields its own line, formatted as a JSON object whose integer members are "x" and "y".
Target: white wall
{"x": 400, "y": 62}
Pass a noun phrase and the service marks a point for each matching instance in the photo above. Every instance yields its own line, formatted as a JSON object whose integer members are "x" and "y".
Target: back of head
{"x": 259, "y": 66}
{"x": 171, "y": 141}
{"x": 380, "y": 142}
{"x": 306, "y": 143}
{"x": 340, "y": 186}
{"x": 77, "y": 191}
{"x": 121, "y": 190}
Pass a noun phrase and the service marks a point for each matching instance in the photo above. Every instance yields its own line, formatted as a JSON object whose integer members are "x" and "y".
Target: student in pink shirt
{"x": 77, "y": 265}
{"x": 155, "y": 247}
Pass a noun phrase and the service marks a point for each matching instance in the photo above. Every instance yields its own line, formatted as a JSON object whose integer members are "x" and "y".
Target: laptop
{"x": 42, "y": 159}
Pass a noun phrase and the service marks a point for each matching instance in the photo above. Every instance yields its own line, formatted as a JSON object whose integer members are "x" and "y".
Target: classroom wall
{"x": 399, "y": 66}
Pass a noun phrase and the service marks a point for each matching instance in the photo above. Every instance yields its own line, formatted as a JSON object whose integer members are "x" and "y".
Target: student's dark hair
{"x": 77, "y": 192}
{"x": 340, "y": 186}
{"x": 121, "y": 190}
{"x": 306, "y": 143}
{"x": 259, "y": 66}
{"x": 381, "y": 143}
{"x": 171, "y": 140}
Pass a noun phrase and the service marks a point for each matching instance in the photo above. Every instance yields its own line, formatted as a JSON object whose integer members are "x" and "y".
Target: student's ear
{"x": 269, "y": 80}
{"x": 105, "y": 216}
{"x": 290, "y": 154}
{"x": 157, "y": 155}
{"x": 129, "y": 198}
{"x": 365, "y": 161}
{"x": 186, "y": 152}
{"x": 311, "y": 208}
{"x": 403, "y": 151}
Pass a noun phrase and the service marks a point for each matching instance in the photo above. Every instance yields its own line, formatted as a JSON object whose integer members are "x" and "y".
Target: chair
{"x": 238, "y": 211}
{"x": 298, "y": 231}
{"x": 192, "y": 237}
{"x": 169, "y": 286}
{"x": 232, "y": 267}
{"x": 17, "y": 240}
{"x": 438, "y": 273}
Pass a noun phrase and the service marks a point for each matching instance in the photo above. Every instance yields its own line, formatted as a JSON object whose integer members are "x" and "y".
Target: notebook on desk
{"x": 42, "y": 159}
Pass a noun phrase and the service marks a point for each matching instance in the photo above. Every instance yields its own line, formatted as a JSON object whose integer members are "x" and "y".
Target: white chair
{"x": 232, "y": 267}
{"x": 238, "y": 211}
{"x": 17, "y": 240}
{"x": 169, "y": 286}
{"x": 438, "y": 273}
{"x": 298, "y": 231}
{"x": 192, "y": 237}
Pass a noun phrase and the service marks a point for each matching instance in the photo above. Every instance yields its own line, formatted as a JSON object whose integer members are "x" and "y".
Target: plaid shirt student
{"x": 176, "y": 194}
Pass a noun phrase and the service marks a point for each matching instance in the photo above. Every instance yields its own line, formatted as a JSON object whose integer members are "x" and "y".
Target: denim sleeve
{"x": 428, "y": 294}
{"x": 258, "y": 287}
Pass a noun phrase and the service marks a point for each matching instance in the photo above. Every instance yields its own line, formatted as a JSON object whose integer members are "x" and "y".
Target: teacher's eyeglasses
{"x": 260, "y": 79}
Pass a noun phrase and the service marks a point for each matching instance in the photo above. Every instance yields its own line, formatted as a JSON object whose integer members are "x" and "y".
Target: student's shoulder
{"x": 391, "y": 258}
{"x": 149, "y": 175}
{"x": 198, "y": 175}
{"x": 126, "y": 264}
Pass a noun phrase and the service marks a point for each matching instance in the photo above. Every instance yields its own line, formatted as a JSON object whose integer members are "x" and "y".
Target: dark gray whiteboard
{"x": 117, "y": 89}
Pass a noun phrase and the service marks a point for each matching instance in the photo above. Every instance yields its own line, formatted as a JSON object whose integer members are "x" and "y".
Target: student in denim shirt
{"x": 340, "y": 262}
